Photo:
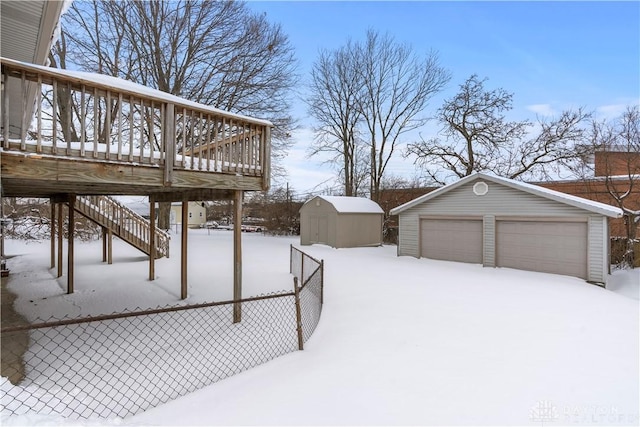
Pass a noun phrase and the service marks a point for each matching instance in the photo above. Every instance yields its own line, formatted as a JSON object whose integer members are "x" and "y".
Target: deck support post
{"x": 60, "y": 237}
{"x": 237, "y": 255}
{"x": 3, "y": 262}
{"x": 109, "y": 246}
{"x": 152, "y": 240}
{"x": 185, "y": 230}
{"x": 52, "y": 232}
{"x": 104, "y": 244}
{"x": 71, "y": 232}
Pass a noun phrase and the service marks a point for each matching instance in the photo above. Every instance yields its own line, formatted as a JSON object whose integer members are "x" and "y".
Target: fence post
{"x": 298, "y": 313}
{"x": 290, "y": 258}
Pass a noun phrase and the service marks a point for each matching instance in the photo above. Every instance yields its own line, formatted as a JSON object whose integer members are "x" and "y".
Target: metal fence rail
{"x": 122, "y": 364}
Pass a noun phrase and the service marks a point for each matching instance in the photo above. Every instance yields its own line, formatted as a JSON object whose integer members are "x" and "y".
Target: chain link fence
{"x": 310, "y": 273}
{"x": 123, "y": 364}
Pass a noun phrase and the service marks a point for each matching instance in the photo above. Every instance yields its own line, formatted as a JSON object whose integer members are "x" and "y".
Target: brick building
{"x": 623, "y": 171}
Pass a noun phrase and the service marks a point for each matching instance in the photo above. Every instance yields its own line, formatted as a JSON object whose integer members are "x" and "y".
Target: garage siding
{"x": 489, "y": 237}
{"x": 408, "y": 235}
{"x": 587, "y": 251}
{"x": 598, "y": 249}
{"x": 499, "y": 201}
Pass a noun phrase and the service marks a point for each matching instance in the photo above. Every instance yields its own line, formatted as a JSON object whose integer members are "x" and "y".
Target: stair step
{"x": 123, "y": 223}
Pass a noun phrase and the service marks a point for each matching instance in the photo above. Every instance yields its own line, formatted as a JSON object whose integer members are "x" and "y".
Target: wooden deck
{"x": 94, "y": 135}
{"x": 97, "y": 135}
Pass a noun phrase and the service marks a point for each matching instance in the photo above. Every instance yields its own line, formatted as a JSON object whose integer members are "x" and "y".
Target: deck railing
{"x": 101, "y": 118}
{"x": 124, "y": 222}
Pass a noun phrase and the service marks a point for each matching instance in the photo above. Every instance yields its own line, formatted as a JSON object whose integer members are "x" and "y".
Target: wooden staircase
{"x": 123, "y": 222}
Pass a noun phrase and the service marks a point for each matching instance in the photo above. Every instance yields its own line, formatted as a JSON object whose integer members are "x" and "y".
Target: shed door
{"x": 451, "y": 240}
{"x": 318, "y": 229}
{"x": 545, "y": 246}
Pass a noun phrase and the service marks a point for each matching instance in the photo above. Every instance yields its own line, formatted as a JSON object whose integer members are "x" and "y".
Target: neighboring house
{"x": 621, "y": 168}
{"x": 596, "y": 189}
{"x": 197, "y": 214}
{"x": 341, "y": 222}
{"x": 617, "y": 161}
{"x": 499, "y": 222}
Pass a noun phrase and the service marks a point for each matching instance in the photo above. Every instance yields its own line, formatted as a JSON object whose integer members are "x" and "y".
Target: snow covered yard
{"x": 400, "y": 341}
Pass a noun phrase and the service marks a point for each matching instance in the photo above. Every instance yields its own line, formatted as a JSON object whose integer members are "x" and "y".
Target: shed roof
{"x": 346, "y": 204}
{"x": 578, "y": 202}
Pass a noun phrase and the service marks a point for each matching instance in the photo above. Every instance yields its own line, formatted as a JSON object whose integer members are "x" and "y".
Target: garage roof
{"x": 578, "y": 202}
{"x": 345, "y": 204}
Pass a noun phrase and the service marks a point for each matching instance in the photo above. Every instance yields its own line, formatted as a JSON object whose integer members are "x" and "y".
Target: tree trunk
{"x": 629, "y": 257}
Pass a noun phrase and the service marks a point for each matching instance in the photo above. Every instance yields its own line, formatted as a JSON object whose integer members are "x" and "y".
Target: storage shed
{"x": 499, "y": 222}
{"x": 197, "y": 214}
{"x": 341, "y": 222}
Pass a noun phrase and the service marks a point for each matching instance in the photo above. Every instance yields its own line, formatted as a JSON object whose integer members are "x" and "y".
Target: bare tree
{"x": 216, "y": 53}
{"x": 477, "y": 137}
{"x": 335, "y": 86}
{"x": 377, "y": 88}
{"x": 617, "y": 143}
{"x": 397, "y": 87}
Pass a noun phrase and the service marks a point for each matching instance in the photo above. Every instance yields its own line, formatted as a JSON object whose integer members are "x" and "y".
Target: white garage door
{"x": 549, "y": 247}
{"x": 451, "y": 240}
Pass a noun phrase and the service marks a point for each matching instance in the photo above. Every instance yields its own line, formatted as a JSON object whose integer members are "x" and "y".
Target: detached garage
{"x": 341, "y": 222}
{"x": 499, "y": 222}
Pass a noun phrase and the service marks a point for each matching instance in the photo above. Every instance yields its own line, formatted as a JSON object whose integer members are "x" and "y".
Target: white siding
{"x": 502, "y": 203}
{"x": 489, "y": 237}
{"x": 408, "y": 233}
{"x": 598, "y": 254}
{"x": 499, "y": 200}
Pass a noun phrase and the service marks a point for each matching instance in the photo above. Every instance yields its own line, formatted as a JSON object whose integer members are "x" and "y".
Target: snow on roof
{"x": 345, "y": 204}
{"x": 579, "y": 202}
{"x": 118, "y": 84}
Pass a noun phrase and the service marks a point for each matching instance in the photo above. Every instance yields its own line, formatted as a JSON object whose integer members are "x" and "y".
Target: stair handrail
{"x": 124, "y": 221}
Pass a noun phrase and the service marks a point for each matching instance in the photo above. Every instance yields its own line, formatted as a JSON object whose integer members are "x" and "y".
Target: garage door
{"x": 549, "y": 247}
{"x": 451, "y": 240}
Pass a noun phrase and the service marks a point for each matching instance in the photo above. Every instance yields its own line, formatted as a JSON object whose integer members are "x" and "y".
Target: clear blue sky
{"x": 550, "y": 55}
